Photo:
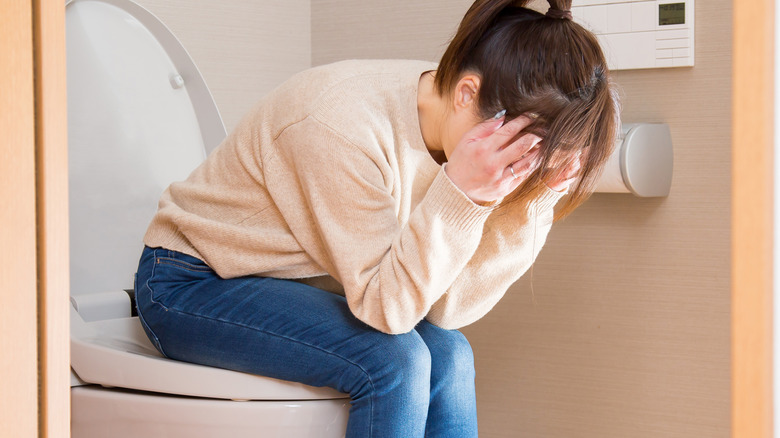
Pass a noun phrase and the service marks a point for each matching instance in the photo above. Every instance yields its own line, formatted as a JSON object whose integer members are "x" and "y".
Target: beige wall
{"x": 243, "y": 48}
{"x": 625, "y": 330}
{"x": 405, "y": 29}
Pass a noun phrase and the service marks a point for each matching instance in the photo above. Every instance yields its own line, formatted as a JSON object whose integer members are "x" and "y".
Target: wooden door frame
{"x": 52, "y": 217}
{"x": 18, "y": 308}
{"x": 752, "y": 218}
{"x": 35, "y": 363}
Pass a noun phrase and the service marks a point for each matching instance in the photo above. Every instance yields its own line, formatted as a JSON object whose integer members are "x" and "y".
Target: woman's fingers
{"x": 563, "y": 185}
{"x": 481, "y": 160}
{"x": 485, "y": 129}
{"x": 575, "y": 166}
{"x": 526, "y": 165}
{"x": 499, "y": 134}
{"x": 520, "y": 148}
{"x": 568, "y": 176}
{"x": 504, "y": 136}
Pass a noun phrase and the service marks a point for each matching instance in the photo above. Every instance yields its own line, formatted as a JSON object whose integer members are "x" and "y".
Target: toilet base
{"x": 99, "y": 412}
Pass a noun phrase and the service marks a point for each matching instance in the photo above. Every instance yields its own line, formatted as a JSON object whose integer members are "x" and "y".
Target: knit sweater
{"x": 329, "y": 177}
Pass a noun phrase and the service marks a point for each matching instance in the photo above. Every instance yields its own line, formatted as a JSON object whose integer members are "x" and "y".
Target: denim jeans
{"x": 412, "y": 385}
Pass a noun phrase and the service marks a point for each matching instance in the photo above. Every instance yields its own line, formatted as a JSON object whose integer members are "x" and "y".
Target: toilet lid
{"x": 139, "y": 117}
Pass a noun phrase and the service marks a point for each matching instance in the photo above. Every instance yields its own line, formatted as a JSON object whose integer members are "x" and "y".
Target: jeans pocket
{"x": 172, "y": 274}
{"x": 163, "y": 277}
{"x": 189, "y": 265}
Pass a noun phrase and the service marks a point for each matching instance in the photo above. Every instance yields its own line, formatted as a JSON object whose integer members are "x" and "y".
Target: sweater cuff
{"x": 454, "y": 206}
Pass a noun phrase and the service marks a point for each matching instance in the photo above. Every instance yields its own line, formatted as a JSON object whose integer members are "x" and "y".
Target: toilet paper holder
{"x": 641, "y": 163}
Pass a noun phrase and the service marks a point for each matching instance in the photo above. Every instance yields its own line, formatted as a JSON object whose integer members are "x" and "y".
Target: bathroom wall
{"x": 622, "y": 327}
{"x": 402, "y": 29}
{"x": 243, "y": 48}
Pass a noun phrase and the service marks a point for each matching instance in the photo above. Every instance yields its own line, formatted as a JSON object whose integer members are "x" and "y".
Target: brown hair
{"x": 547, "y": 65}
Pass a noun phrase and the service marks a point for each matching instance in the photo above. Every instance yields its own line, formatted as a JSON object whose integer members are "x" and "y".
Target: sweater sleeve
{"x": 340, "y": 208}
{"x": 511, "y": 241}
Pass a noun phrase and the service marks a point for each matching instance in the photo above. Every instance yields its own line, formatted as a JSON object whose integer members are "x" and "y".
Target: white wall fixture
{"x": 641, "y": 163}
{"x": 641, "y": 33}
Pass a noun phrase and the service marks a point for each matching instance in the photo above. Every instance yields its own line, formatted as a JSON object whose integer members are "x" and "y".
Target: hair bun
{"x": 560, "y": 10}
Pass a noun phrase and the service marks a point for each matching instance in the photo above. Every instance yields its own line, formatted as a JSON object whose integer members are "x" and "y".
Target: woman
{"x": 366, "y": 209}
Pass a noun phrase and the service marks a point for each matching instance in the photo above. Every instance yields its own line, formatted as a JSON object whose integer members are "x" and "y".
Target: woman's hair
{"x": 544, "y": 65}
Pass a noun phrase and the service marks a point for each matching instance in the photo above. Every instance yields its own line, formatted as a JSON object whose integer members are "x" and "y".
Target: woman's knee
{"x": 451, "y": 352}
{"x": 408, "y": 356}
{"x": 399, "y": 363}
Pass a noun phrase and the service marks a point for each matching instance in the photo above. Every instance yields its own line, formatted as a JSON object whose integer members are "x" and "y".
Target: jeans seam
{"x": 157, "y": 342}
{"x": 151, "y": 291}
{"x": 270, "y": 333}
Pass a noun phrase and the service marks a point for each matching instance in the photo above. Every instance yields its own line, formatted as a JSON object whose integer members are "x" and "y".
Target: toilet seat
{"x": 116, "y": 352}
{"x": 134, "y": 397}
{"x": 140, "y": 116}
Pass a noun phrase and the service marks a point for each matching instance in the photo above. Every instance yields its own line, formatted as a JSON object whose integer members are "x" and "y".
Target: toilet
{"x": 140, "y": 116}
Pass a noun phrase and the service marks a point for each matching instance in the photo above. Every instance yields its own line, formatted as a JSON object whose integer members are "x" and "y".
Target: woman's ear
{"x": 466, "y": 91}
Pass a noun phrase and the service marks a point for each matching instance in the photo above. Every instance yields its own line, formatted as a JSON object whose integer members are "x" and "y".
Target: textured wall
{"x": 622, "y": 327}
{"x": 243, "y": 48}
{"x": 403, "y": 29}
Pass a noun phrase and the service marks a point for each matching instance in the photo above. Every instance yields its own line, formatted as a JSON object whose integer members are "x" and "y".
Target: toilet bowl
{"x": 140, "y": 117}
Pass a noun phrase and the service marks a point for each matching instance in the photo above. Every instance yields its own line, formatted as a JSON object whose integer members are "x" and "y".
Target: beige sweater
{"x": 329, "y": 176}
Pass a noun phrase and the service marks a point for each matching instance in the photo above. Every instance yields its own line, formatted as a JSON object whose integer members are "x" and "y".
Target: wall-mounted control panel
{"x": 640, "y": 33}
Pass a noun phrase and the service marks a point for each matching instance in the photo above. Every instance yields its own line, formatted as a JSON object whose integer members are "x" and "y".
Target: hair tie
{"x": 559, "y": 14}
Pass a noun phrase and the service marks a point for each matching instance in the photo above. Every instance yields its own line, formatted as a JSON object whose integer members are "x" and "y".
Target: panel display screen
{"x": 671, "y": 13}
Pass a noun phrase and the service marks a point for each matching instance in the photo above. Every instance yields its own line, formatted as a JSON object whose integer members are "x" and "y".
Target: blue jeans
{"x": 417, "y": 384}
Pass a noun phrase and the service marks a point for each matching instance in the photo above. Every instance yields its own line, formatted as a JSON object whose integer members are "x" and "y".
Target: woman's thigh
{"x": 271, "y": 327}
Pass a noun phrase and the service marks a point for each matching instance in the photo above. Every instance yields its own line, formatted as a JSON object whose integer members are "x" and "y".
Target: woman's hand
{"x": 564, "y": 179}
{"x": 491, "y": 161}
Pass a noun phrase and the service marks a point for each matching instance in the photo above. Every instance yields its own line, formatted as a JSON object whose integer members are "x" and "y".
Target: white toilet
{"x": 139, "y": 117}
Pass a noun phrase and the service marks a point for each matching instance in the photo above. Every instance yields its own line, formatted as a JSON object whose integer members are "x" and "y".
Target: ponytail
{"x": 559, "y": 9}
